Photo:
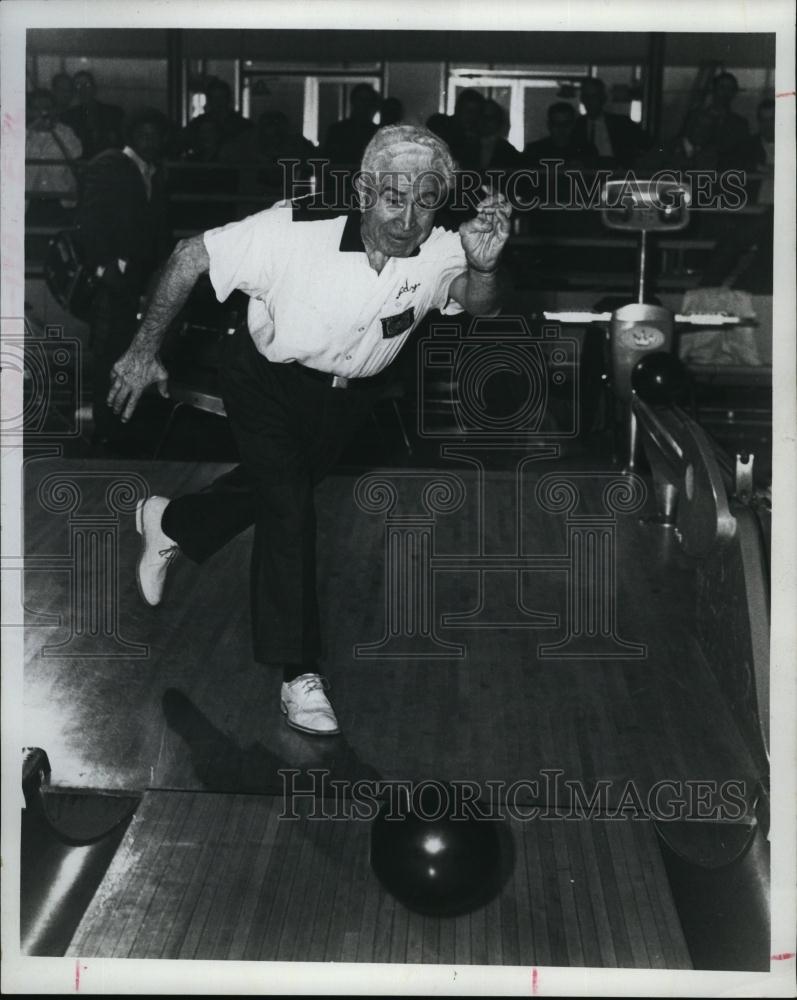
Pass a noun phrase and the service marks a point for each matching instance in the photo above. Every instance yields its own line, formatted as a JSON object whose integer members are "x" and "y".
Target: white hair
{"x": 393, "y": 141}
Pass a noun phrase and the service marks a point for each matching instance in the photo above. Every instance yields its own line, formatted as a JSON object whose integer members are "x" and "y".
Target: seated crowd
{"x": 69, "y": 125}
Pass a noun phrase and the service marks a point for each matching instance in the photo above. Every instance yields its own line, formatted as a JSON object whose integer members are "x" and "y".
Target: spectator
{"x": 731, "y": 129}
{"x": 48, "y": 139}
{"x": 560, "y": 143}
{"x": 218, "y": 110}
{"x": 467, "y": 129}
{"x": 201, "y": 180}
{"x": 346, "y": 140}
{"x": 462, "y": 131}
{"x": 122, "y": 231}
{"x": 496, "y": 152}
{"x": 444, "y": 127}
{"x": 760, "y": 154}
{"x": 99, "y": 126}
{"x": 744, "y": 254}
{"x": 265, "y": 147}
{"x": 391, "y": 112}
{"x": 611, "y": 140}
{"x": 694, "y": 149}
{"x": 207, "y": 142}
{"x": 63, "y": 92}
{"x": 554, "y": 183}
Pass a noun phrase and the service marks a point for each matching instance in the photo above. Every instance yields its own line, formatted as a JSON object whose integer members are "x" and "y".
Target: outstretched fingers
{"x": 115, "y": 392}
{"x": 132, "y": 402}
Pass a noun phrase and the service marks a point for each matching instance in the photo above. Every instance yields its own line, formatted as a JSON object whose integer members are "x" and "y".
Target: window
{"x": 524, "y": 94}
{"x": 312, "y": 102}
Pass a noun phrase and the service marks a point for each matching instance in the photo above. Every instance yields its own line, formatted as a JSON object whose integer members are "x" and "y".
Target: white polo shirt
{"x": 314, "y": 297}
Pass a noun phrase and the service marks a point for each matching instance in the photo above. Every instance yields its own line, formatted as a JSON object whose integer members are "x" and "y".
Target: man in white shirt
{"x": 48, "y": 139}
{"x": 332, "y": 301}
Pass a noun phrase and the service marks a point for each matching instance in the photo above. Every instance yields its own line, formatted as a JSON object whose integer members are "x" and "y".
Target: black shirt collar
{"x": 352, "y": 241}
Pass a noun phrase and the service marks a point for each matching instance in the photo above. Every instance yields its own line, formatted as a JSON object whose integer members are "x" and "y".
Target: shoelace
{"x": 315, "y": 683}
{"x": 169, "y": 554}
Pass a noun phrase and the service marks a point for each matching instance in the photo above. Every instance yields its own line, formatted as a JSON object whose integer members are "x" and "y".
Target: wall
{"x": 418, "y": 86}
{"x": 551, "y": 47}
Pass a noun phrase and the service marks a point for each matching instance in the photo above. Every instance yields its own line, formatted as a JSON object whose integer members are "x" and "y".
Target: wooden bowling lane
{"x": 221, "y": 876}
{"x": 197, "y": 713}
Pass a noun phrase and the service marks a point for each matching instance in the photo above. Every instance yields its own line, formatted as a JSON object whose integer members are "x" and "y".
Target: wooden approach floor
{"x": 197, "y": 713}
{"x": 219, "y": 876}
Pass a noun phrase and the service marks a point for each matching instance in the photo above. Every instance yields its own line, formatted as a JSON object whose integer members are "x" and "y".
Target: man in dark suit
{"x": 559, "y": 144}
{"x": 220, "y": 114}
{"x": 98, "y": 125}
{"x": 614, "y": 140}
{"x": 346, "y": 140}
{"x": 495, "y": 150}
{"x": 121, "y": 221}
{"x": 731, "y": 130}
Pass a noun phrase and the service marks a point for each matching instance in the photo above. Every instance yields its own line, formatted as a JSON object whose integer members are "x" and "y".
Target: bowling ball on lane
{"x": 433, "y": 853}
{"x": 660, "y": 379}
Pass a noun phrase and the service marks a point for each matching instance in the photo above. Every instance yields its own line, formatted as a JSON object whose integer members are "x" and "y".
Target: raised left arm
{"x": 478, "y": 290}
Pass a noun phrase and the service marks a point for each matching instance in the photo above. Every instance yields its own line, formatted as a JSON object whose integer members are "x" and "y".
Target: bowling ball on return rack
{"x": 660, "y": 379}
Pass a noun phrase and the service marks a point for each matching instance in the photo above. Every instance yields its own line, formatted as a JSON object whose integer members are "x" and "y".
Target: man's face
{"x": 84, "y": 87}
{"x": 147, "y": 142}
{"x": 42, "y": 113}
{"x": 491, "y": 121}
{"x": 766, "y": 124}
{"x": 400, "y": 206}
{"x": 364, "y": 104}
{"x": 593, "y": 98}
{"x": 468, "y": 114}
{"x": 724, "y": 92}
{"x": 217, "y": 101}
{"x": 560, "y": 126}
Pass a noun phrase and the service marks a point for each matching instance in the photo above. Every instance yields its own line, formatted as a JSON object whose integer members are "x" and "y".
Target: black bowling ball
{"x": 431, "y": 860}
{"x": 660, "y": 379}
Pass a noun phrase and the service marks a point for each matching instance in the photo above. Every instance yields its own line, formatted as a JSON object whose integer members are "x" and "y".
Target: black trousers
{"x": 290, "y": 430}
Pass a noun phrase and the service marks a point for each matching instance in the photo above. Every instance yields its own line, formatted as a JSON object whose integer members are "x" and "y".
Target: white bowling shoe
{"x": 307, "y": 708}
{"x": 157, "y": 549}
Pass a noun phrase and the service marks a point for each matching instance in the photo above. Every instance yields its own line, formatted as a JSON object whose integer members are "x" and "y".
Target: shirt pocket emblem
{"x": 393, "y": 326}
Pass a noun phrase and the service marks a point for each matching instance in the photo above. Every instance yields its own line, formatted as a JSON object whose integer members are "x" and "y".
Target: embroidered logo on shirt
{"x": 393, "y": 326}
{"x": 407, "y": 287}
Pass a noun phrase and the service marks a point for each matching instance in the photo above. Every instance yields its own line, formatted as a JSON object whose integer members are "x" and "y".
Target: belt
{"x": 339, "y": 381}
